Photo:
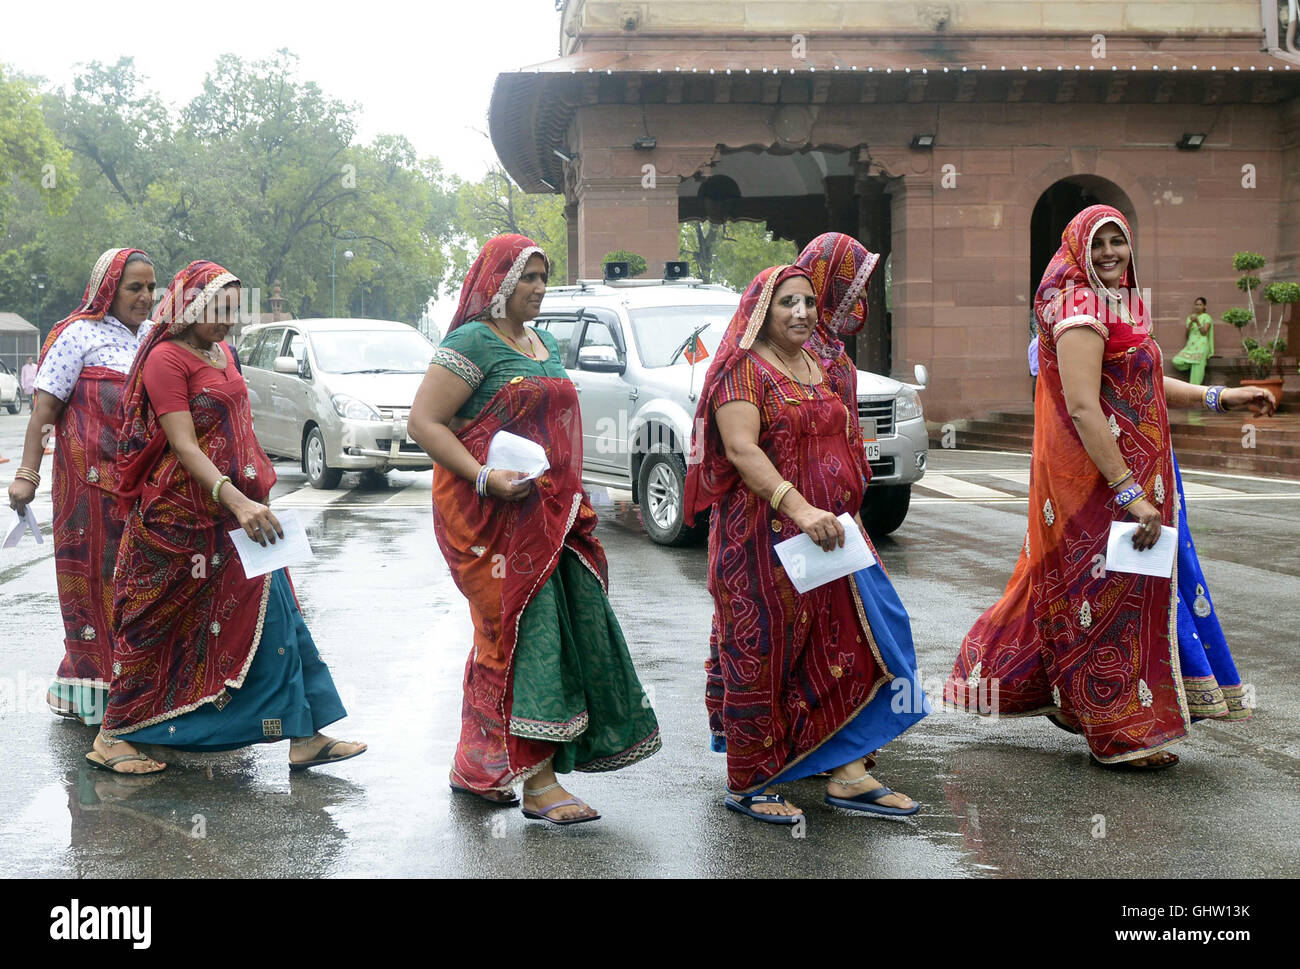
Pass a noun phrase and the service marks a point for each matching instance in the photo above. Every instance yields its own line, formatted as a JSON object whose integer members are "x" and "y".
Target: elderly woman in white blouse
{"x": 78, "y": 392}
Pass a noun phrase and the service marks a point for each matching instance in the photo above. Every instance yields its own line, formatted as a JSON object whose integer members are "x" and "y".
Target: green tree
{"x": 494, "y": 205}
{"x": 636, "y": 264}
{"x": 29, "y": 151}
{"x": 732, "y": 253}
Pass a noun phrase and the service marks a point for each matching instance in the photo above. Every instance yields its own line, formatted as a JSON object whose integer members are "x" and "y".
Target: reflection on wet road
{"x": 1006, "y": 798}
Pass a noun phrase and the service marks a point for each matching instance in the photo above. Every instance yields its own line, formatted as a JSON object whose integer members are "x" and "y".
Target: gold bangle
{"x": 784, "y": 488}
{"x": 28, "y": 475}
{"x": 1120, "y": 480}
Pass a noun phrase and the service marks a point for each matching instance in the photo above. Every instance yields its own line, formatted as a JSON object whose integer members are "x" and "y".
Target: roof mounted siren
{"x": 677, "y": 270}
{"x": 617, "y": 270}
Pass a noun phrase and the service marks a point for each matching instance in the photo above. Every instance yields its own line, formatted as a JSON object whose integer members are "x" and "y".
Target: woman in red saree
{"x": 78, "y": 393}
{"x": 802, "y": 677}
{"x": 840, "y": 268}
{"x": 1094, "y": 650}
{"x": 205, "y": 658}
{"x": 549, "y": 685}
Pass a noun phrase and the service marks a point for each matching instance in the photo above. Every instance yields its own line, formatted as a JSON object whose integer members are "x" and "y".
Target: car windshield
{"x": 660, "y": 330}
{"x": 372, "y": 351}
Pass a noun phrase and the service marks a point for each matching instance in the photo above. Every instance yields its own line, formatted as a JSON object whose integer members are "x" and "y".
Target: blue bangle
{"x": 480, "y": 483}
{"x": 1129, "y": 495}
{"x": 1213, "y": 401}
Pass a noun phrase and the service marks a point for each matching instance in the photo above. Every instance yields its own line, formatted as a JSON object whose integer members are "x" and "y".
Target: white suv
{"x": 623, "y": 344}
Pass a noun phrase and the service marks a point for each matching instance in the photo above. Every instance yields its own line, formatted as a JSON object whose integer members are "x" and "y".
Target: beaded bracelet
{"x": 480, "y": 483}
{"x": 1213, "y": 399}
{"x": 1120, "y": 480}
{"x": 781, "y": 491}
{"x": 216, "y": 488}
{"x": 1129, "y": 495}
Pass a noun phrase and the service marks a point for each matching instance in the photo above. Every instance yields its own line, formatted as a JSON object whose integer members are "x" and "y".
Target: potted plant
{"x": 1263, "y": 344}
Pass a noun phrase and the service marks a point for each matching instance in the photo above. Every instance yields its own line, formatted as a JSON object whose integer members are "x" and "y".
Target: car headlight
{"x": 907, "y": 405}
{"x": 354, "y": 409}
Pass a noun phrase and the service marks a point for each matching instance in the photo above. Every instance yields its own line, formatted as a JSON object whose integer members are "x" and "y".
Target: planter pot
{"x": 1273, "y": 385}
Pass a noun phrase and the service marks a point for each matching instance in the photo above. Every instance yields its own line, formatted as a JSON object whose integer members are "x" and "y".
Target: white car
{"x": 10, "y": 391}
{"x": 623, "y": 346}
{"x": 335, "y": 394}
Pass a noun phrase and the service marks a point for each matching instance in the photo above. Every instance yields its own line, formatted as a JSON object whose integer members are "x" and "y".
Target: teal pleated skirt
{"x": 288, "y": 691}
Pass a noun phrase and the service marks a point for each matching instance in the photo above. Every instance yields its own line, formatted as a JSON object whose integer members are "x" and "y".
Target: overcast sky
{"x": 420, "y": 69}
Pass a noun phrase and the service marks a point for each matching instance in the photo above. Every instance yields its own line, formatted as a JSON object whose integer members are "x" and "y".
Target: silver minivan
{"x": 624, "y": 343}
{"x": 335, "y": 393}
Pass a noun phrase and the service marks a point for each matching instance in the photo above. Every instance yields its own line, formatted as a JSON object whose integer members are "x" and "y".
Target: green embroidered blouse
{"x": 487, "y": 363}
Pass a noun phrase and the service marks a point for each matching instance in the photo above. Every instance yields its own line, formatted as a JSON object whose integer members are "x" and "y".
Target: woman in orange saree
{"x": 1095, "y": 650}
{"x": 549, "y": 685}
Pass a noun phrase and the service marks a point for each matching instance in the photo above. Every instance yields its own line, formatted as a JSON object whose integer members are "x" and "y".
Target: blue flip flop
{"x": 741, "y": 805}
{"x": 865, "y": 803}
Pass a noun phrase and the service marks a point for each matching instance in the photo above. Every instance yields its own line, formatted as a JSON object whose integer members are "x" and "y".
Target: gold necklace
{"x": 805, "y": 388}
{"x": 528, "y": 353}
{"x": 213, "y": 358}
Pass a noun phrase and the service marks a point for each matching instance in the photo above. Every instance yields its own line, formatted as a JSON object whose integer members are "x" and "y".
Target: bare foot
{"x": 496, "y": 797}
{"x": 1162, "y": 759}
{"x": 107, "y": 749}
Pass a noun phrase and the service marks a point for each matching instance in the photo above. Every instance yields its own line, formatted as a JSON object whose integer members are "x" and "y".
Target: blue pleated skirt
{"x": 288, "y": 691}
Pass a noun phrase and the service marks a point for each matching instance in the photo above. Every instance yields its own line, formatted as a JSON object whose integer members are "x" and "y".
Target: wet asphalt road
{"x": 1008, "y": 798}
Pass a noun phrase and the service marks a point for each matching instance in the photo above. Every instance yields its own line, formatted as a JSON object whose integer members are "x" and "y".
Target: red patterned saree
{"x": 87, "y": 522}
{"x": 1096, "y": 650}
{"x": 789, "y": 670}
{"x": 187, "y": 620}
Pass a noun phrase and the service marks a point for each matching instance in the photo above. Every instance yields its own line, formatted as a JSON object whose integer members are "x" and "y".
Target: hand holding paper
{"x": 1158, "y": 560}
{"x": 25, "y": 522}
{"x": 808, "y": 565}
{"x": 510, "y": 452}
{"x": 261, "y": 559}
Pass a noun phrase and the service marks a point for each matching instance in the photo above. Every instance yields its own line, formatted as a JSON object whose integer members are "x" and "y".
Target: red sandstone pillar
{"x": 622, "y": 213}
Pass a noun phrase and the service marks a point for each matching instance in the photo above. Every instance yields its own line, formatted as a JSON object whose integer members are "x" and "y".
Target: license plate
{"x": 873, "y": 450}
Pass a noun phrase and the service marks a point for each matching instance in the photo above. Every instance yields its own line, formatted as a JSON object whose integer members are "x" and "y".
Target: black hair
{"x": 1202, "y": 299}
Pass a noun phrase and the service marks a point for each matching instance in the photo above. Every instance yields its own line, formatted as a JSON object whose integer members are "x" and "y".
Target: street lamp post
{"x": 347, "y": 254}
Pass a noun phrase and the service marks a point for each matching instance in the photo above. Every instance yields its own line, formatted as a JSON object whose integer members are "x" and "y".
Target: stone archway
{"x": 1058, "y": 204}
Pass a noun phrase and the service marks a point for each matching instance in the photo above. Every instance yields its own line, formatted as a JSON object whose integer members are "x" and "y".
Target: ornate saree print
{"x": 549, "y": 676}
{"x": 791, "y": 676}
{"x": 87, "y": 523}
{"x": 188, "y": 621}
{"x": 1097, "y": 650}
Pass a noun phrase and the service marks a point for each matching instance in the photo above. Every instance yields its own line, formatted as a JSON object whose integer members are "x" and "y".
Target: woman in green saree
{"x": 549, "y": 686}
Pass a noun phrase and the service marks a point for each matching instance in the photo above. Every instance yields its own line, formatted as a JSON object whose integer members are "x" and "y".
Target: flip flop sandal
{"x": 543, "y": 814}
{"x": 323, "y": 757}
{"x": 110, "y": 765}
{"x": 1128, "y": 765}
{"x": 865, "y": 803}
{"x": 500, "y": 802}
{"x": 742, "y": 805}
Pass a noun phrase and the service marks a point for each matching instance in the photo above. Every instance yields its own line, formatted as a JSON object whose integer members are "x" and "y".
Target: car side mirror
{"x": 922, "y": 375}
{"x": 286, "y": 365}
{"x": 600, "y": 359}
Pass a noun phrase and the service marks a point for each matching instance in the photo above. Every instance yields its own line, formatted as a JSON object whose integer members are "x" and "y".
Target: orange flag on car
{"x": 696, "y": 351}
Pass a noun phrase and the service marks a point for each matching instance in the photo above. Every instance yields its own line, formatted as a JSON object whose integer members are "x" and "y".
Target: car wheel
{"x": 14, "y": 408}
{"x": 885, "y": 508}
{"x": 319, "y": 473}
{"x": 662, "y": 487}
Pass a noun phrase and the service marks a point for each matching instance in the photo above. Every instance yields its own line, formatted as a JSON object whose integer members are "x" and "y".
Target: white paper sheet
{"x": 809, "y": 566}
{"x": 1158, "y": 560}
{"x": 21, "y": 524}
{"x": 290, "y": 550}
{"x": 510, "y": 452}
